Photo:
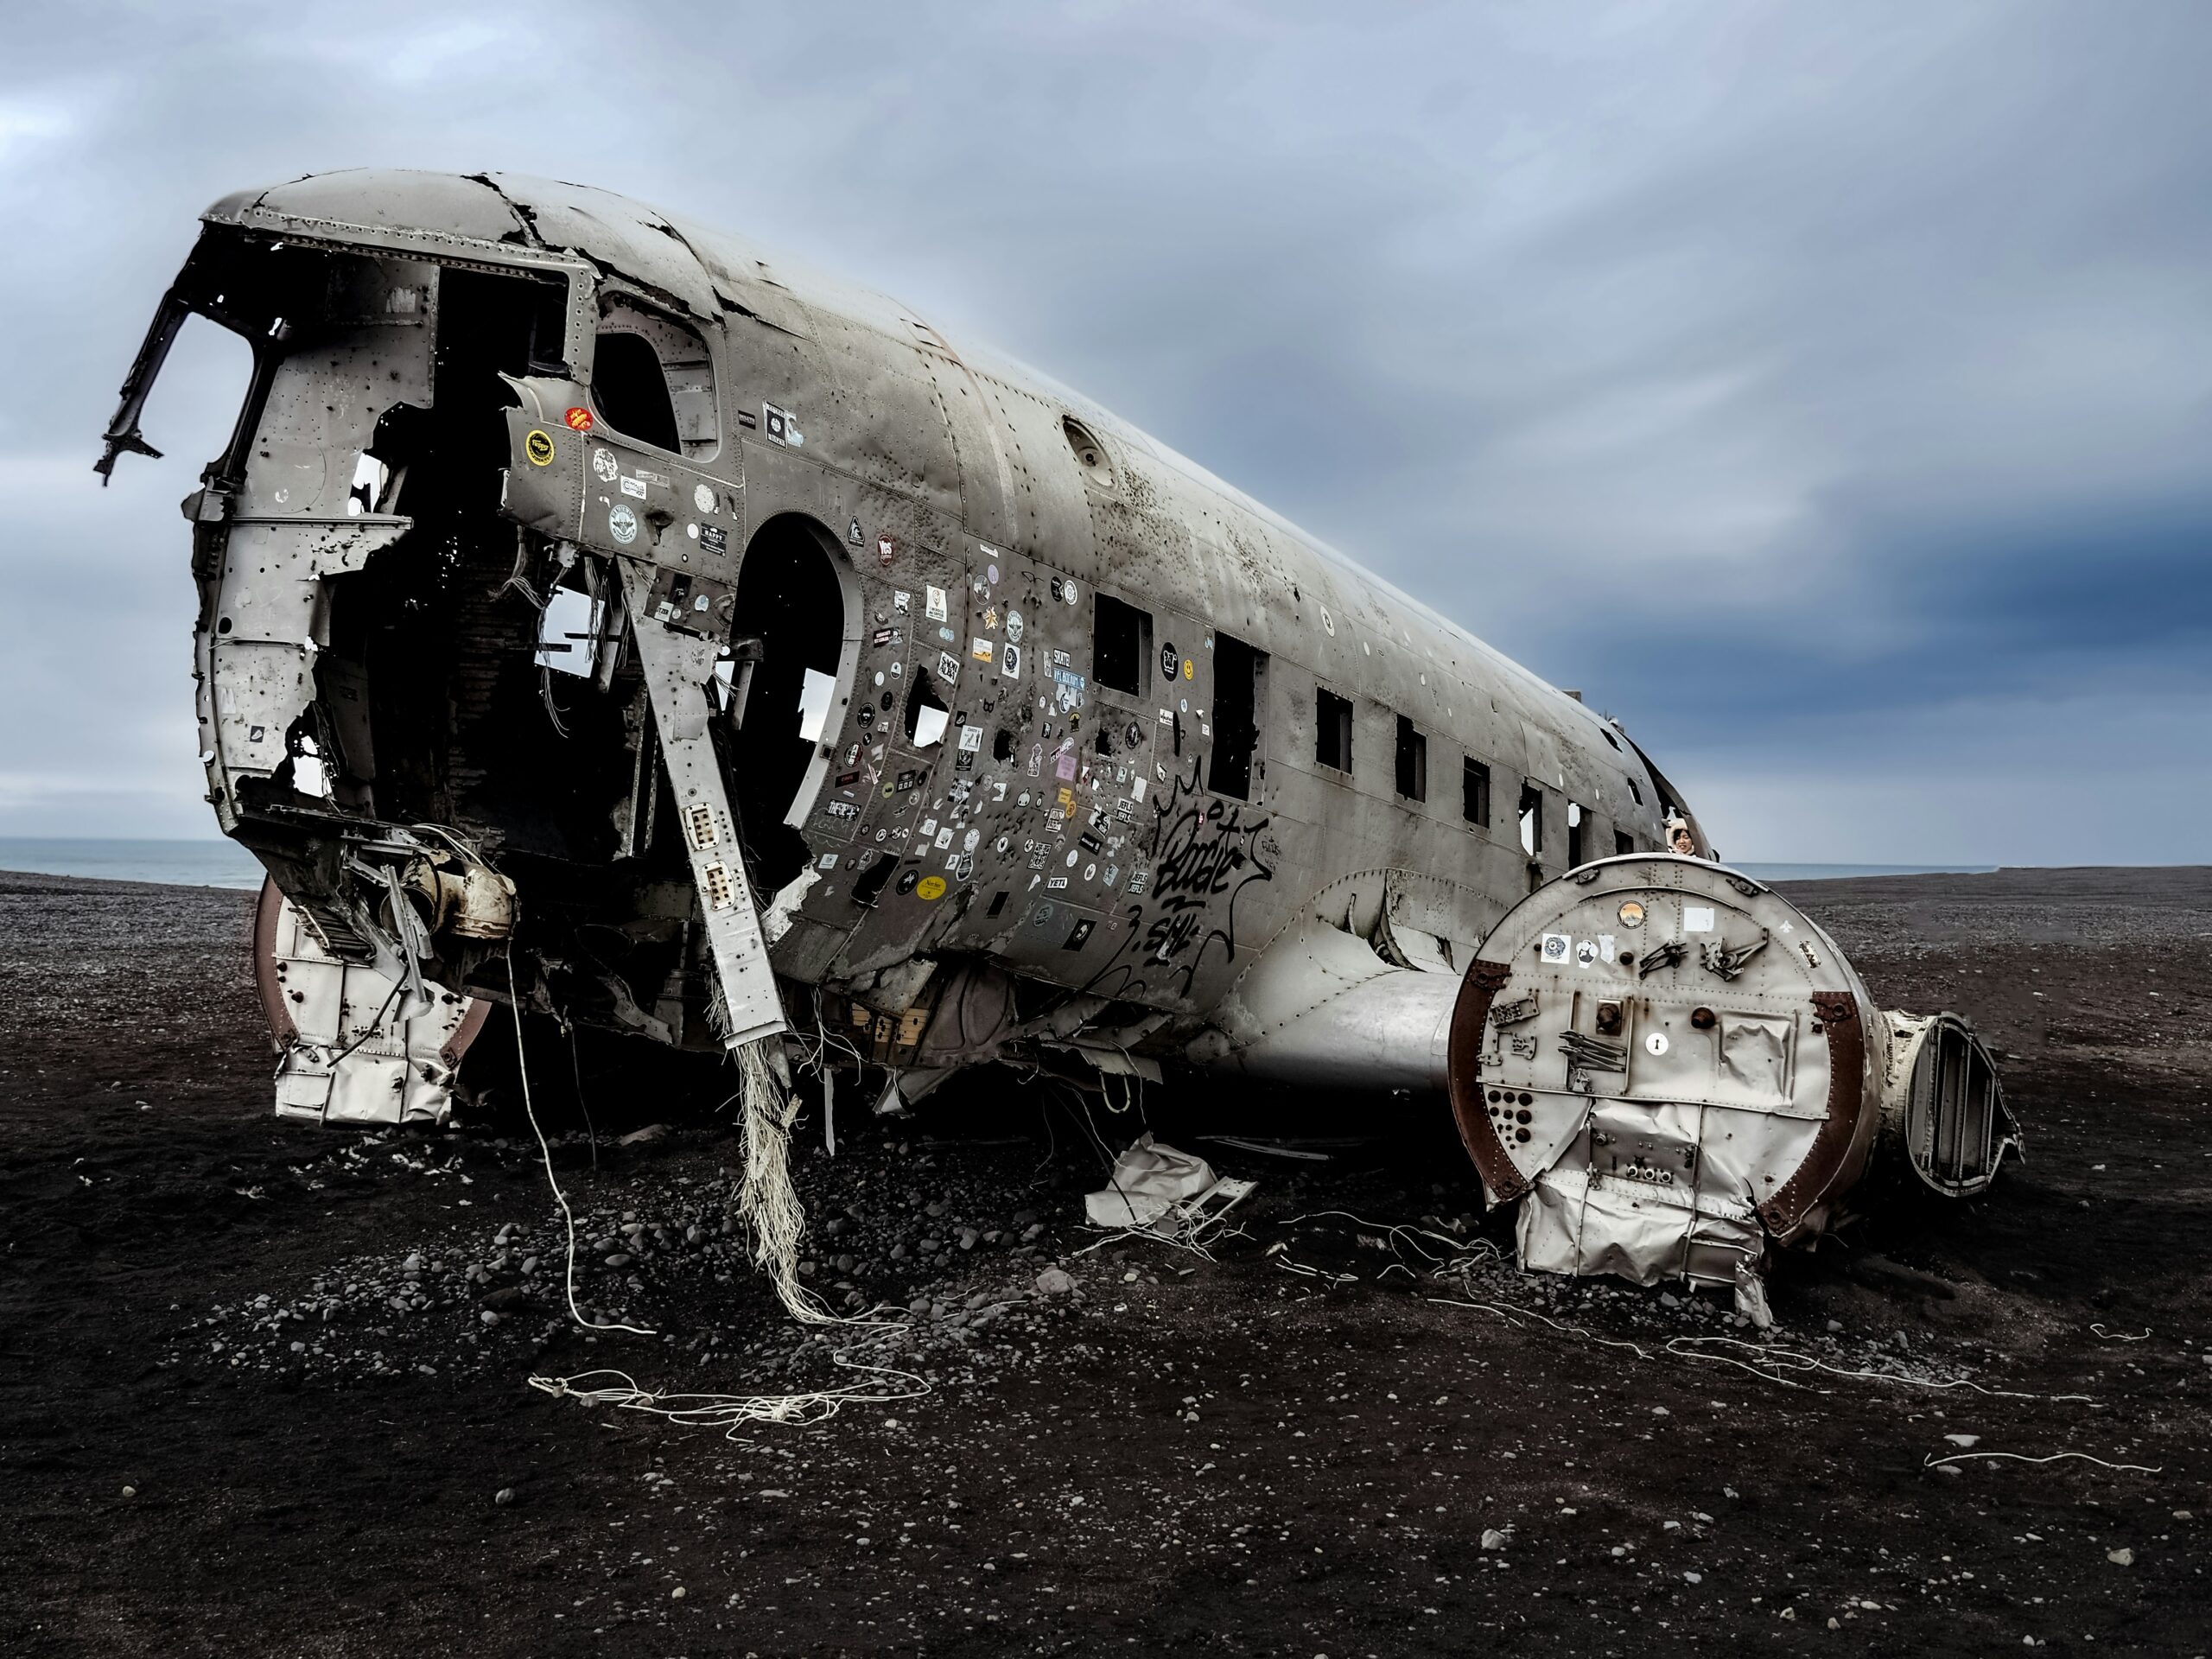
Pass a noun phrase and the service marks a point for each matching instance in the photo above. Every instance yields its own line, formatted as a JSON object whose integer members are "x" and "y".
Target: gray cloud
{"x": 1825, "y": 391}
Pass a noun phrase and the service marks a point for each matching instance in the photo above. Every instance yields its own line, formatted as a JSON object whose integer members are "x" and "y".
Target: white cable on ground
{"x": 1785, "y": 1359}
{"x": 2055, "y": 1457}
{"x": 522, "y": 1064}
{"x": 732, "y": 1412}
{"x": 1782, "y": 1359}
{"x": 771, "y": 1209}
{"x": 2104, "y": 1335}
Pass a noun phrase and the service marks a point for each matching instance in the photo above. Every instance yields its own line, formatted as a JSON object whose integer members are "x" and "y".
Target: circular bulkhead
{"x": 1669, "y": 1065}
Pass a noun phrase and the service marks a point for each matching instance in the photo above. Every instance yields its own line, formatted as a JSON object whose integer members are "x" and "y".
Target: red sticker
{"x": 579, "y": 420}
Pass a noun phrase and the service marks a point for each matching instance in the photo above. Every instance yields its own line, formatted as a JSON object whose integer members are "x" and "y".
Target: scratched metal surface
{"x": 1072, "y": 834}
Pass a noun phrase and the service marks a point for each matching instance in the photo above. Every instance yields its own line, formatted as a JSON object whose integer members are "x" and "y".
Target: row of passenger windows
{"x": 1121, "y": 660}
{"x": 1332, "y": 748}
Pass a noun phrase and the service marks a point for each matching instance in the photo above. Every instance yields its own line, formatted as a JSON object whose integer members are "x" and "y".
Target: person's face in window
{"x": 1683, "y": 843}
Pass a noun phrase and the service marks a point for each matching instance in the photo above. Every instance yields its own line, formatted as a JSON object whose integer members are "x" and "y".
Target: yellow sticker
{"x": 538, "y": 445}
{"x": 1186, "y": 668}
{"x": 931, "y": 887}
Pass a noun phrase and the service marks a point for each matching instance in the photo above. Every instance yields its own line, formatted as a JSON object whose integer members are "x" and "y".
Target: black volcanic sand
{"x": 274, "y": 1336}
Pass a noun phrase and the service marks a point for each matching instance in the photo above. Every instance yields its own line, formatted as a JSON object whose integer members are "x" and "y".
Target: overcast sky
{"x": 1826, "y": 390}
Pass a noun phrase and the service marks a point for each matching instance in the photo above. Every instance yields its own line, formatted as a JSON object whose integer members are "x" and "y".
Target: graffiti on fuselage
{"x": 1202, "y": 855}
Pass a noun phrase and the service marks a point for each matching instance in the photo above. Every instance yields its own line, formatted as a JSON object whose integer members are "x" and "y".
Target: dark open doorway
{"x": 789, "y": 600}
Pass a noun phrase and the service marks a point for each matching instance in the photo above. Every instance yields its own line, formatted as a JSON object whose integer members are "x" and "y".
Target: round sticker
{"x": 1187, "y": 669}
{"x": 538, "y": 445}
{"x": 1656, "y": 1043}
{"x": 703, "y": 497}
{"x": 1068, "y": 592}
{"x": 1328, "y": 622}
{"x": 603, "y": 463}
{"x": 990, "y": 573}
{"x": 1014, "y": 627}
{"x": 907, "y": 881}
{"x": 932, "y": 887}
{"x": 1167, "y": 660}
{"x": 1631, "y": 913}
{"x": 579, "y": 420}
{"x": 622, "y": 523}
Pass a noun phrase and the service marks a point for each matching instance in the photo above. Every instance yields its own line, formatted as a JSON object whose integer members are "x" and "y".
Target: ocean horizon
{"x": 220, "y": 863}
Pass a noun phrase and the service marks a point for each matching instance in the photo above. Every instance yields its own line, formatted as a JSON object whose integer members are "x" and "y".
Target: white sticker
{"x": 1010, "y": 662}
{"x": 979, "y": 650}
{"x": 1068, "y": 592}
{"x": 603, "y": 463}
{"x": 622, "y": 523}
{"x": 780, "y": 424}
{"x": 902, "y": 602}
{"x": 1656, "y": 1043}
{"x": 971, "y": 738}
{"x": 1586, "y": 951}
{"x": 944, "y": 838}
{"x": 1558, "y": 947}
{"x": 1697, "y": 919}
{"x": 1606, "y": 947}
{"x": 703, "y": 497}
{"x": 935, "y": 605}
{"x": 1012, "y": 627}
{"x": 634, "y": 487}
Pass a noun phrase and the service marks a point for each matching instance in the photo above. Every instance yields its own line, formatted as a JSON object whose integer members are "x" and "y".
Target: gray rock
{"x": 1054, "y": 1282}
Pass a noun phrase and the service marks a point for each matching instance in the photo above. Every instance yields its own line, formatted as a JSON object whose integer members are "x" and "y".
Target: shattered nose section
{"x": 1670, "y": 1067}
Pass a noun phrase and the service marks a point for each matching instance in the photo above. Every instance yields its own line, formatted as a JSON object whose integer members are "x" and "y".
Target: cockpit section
{"x": 416, "y": 677}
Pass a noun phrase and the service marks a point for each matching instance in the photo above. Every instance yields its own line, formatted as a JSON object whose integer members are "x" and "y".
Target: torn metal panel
{"x": 678, "y": 666}
{"x": 353, "y": 1045}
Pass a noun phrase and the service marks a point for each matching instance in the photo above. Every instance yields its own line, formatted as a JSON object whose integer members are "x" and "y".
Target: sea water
{"x": 211, "y": 863}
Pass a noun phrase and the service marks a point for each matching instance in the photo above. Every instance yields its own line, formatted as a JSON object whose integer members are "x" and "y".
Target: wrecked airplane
{"x": 597, "y": 606}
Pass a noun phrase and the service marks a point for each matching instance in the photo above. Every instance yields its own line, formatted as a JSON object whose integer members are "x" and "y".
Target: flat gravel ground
{"x": 266, "y": 1387}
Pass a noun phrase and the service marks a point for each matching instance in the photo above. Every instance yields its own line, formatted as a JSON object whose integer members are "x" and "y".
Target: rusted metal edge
{"x": 266, "y": 909}
{"x": 1784, "y": 1209}
{"x": 1470, "y": 1014}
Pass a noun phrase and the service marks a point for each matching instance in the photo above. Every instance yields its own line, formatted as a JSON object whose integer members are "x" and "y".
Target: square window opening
{"x": 1333, "y": 730}
{"x": 1236, "y": 671}
{"x": 1474, "y": 792}
{"x": 1413, "y": 761}
{"x": 1121, "y": 644}
{"x": 653, "y": 380}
